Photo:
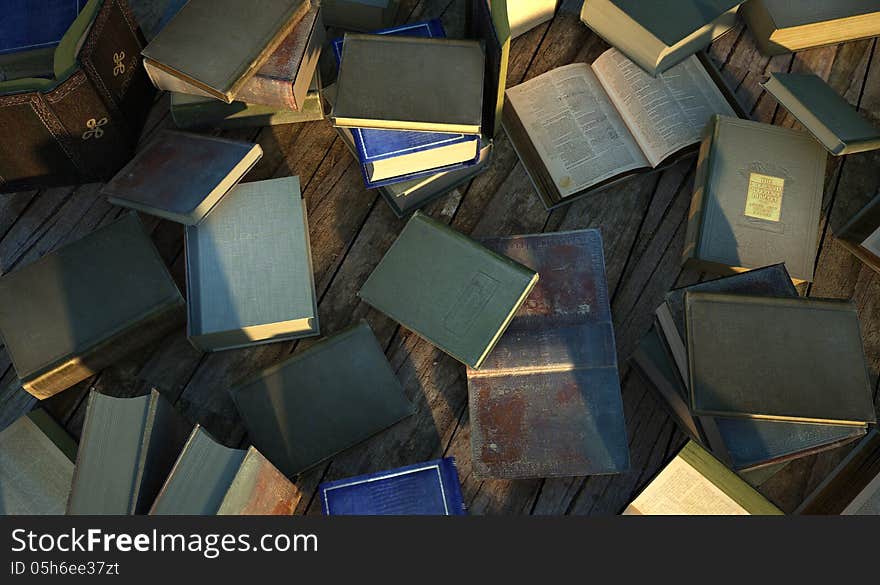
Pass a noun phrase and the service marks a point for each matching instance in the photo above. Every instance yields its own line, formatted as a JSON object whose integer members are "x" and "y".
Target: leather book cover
{"x": 259, "y": 489}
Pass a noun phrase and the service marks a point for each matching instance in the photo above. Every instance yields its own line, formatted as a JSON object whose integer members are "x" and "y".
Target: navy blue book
{"x": 393, "y": 156}
{"x": 35, "y": 24}
{"x": 431, "y": 488}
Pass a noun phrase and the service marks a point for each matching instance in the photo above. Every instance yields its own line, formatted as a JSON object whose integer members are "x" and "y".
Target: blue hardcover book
{"x": 384, "y": 153}
{"x": 35, "y": 24}
{"x": 431, "y": 488}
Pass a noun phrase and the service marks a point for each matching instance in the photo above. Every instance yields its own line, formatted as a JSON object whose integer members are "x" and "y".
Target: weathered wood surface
{"x": 642, "y": 223}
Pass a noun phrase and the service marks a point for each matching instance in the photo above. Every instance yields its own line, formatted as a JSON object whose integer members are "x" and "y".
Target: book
{"x": 181, "y": 176}
{"x": 316, "y": 403}
{"x": 546, "y": 402}
{"x": 524, "y": 15}
{"x": 856, "y": 475}
{"x": 283, "y": 80}
{"x": 31, "y": 63}
{"x": 192, "y": 111}
{"x": 488, "y": 23}
{"x": 757, "y": 199}
{"x": 127, "y": 448}
{"x": 211, "y": 479}
{"x": 79, "y": 308}
{"x": 782, "y": 26}
{"x": 867, "y": 502}
{"x": 249, "y": 273}
{"x": 81, "y": 122}
{"x": 36, "y": 465}
{"x": 795, "y": 359}
{"x": 861, "y": 234}
{"x": 450, "y": 99}
{"x": 18, "y": 32}
{"x": 212, "y": 47}
{"x": 822, "y": 111}
{"x": 580, "y": 128}
{"x": 657, "y": 39}
{"x": 424, "y": 489}
{"x": 447, "y": 288}
{"x": 362, "y": 15}
{"x": 695, "y": 483}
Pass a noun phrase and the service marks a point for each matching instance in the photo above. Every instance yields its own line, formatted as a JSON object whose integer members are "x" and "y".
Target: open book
{"x": 581, "y": 127}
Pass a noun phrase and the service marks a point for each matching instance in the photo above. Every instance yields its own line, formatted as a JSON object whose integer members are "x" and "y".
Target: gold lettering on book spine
{"x": 119, "y": 67}
{"x": 764, "y": 199}
{"x": 94, "y": 128}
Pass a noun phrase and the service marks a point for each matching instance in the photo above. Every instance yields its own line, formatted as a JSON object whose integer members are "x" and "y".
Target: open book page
{"x": 665, "y": 113}
{"x": 578, "y": 133}
{"x": 872, "y": 242}
{"x": 679, "y": 490}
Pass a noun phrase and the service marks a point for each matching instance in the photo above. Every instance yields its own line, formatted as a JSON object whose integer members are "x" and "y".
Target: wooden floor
{"x": 642, "y": 223}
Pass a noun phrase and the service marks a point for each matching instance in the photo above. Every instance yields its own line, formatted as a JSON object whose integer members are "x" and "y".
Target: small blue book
{"x": 35, "y": 24}
{"x": 431, "y": 488}
{"x": 393, "y": 156}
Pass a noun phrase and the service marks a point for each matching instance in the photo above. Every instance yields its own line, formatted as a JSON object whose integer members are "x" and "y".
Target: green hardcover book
{"x": 782, "y": 26}
{"x": 861, "y": 234}
{"x": 363, "y": 15}
{"x": 209, "y": 478}
{"x": 36, "y": 465}
{"x": 127, "y": 448}
{"x": 695, "y": 483}
{"x": 449, "y": 289}
{"x": 181, "y": 176}
{"x": 790, "y": 359}
{"x": 249, "y": 269}
{"x": 658, "y": 37}
{"x": 322, "y": 401}
{"x": 449, "y": 98}
{"x": 822, "y": 111}
{"x": 489, "y": 24}
{"x": 78, "y": 309}
{"x": 757, "y": 199}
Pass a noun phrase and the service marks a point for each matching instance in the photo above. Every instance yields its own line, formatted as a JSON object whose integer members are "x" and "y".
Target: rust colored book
{"x": 546, "y": 402}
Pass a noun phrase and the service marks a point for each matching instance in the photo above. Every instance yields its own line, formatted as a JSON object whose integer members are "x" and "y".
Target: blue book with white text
{"x": 430, "y": 488}
{"x": 35, "y": 24}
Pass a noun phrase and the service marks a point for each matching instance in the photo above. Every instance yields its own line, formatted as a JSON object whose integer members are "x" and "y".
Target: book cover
{"x": 181, "y": 176}
{"x": 360, "y": 15}
{"x": 447, "y": 288}
{"x": 316, "y": 403}
{"x": 794, "y": 359}
{"x": 546, "y": 402}
{"x": 861, "y": 234}
{"x": 249, "y": 269}
{"x": 35, "y": 24}
{"x": 429, "y": 488}
{"x": 77, "y": 309}
{"x": 524, "y": 15}
{"x": 259, "y": 489}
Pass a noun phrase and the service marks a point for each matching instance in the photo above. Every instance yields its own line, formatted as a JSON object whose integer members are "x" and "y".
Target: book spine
{"x": 268, "y": 91}
{"x": 701, "y": 183}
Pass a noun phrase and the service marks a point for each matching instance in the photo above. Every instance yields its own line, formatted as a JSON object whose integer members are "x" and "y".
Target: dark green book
{"x": 78, "y": 309}
{"x": 757, "y": 199}
{"x": 449, "y": 289}
{"x": 791, "y": 359}
{"x": 36, "y": 465}
{"x": 861, "y": 234}
{"x": 319, "y": 402}
{"x": 127, "y": 448}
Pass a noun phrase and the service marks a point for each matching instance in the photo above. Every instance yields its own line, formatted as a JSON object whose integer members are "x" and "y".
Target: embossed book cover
{"x": 546, "y": 402}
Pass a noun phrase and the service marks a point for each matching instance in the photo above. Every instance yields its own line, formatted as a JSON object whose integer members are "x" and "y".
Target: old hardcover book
{"x": 35, "y": 24}
{"x": 546, "y": 402}
{"x": 362, "y": 15}
{"x": 782, "y": 26}
{"x": 461, "y": 300}
{"x": 181, "y": 176}
{"x": 283, "y": 80}
{"x": 861, "y": 234}
{"x": 695, "y": 483}
{"x": 795, "y": 359}
{"x": 450, "y": 99}
{"x": 321, "y": 401}
{"x": 209, "y": 478}
{"x": 580, "y": 128}
{"x": 212, "y": 47}
{"x": 657, "y": 38}
{"x": 127, "y": 448}
{"x": 822, "y": 111}
{"x": 82, "y": 123}
{"x": 488, "y": 23}
{"x": 36, "y": 465}
{"x": 76, "y": 310}
{"x": 249, "y": 269}
{"x": 32, "y": 63}
{"x": 855, "y": 476}
{"x": 524, "y": 15}
{"x": 431, "y": 488}
{"x": 757, "y": 199}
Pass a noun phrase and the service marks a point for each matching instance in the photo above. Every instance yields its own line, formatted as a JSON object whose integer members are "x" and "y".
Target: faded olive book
{"x": 452, "y": 291}
{"x": 789, "y": 359}
{"x": 78, "y": 309}
{"x": 757, "y": 199}
{"x": 861, "y": 234}
{"x": 824, "y": 112}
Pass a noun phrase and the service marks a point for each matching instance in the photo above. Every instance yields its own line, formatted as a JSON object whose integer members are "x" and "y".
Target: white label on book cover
{"x": 872, "y": 242}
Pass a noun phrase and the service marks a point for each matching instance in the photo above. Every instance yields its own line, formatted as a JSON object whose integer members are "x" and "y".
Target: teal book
{"x": 452, "y": 291}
